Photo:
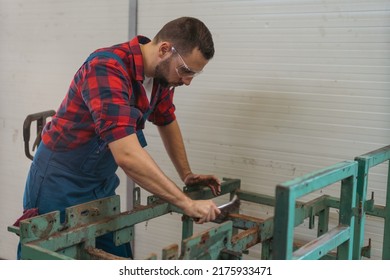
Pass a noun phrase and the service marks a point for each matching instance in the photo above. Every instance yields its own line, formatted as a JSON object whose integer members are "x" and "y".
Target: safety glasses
{"x": 183, "y": 71}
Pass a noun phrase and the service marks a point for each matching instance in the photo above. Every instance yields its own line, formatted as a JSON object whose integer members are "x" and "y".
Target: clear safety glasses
{"x": 183, "y": 71}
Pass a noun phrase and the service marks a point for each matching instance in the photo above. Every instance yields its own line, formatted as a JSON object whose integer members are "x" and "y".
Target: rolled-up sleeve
{"x": 106, "y": 93}
{"x": 117, "y": 121}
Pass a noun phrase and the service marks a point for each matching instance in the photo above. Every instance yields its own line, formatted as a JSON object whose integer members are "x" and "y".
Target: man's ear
{"x": 164, "y": 49}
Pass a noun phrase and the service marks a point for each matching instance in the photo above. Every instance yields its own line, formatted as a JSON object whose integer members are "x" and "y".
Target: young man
{"x": 98, "y": 126}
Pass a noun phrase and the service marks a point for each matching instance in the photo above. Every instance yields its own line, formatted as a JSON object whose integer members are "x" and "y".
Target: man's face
{"x": 162, "y": 73}
{"x": 176, "y": 70}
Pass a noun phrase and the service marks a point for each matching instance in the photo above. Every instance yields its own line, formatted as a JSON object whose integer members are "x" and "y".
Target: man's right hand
{"x": 202, "y": 211}
{"x": 142, "y": 169}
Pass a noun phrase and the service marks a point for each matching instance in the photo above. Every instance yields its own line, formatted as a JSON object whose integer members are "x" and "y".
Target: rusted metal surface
{"x": 98, "y": 254}
{"x": 45, "y": 237}
{"x": 246, "y": 239}
{"x": 245, "y": 218}
{"x": 170, "y": 252}
{"x": 207, "y": 244}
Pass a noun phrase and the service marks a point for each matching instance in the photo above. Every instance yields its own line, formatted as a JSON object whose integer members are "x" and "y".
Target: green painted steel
{"x": 208, "y": 244}
{"x": 285, "y": 212}
{"x": 319, "y": 247}
{"x": 187, "y": 227}
{"x": 386, "y": 232}
{"x": 367, "y": 161}
{"x": 44, "y": 237}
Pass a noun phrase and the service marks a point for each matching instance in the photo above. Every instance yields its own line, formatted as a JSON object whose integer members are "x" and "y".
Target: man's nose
{"x": 187, "y": 80}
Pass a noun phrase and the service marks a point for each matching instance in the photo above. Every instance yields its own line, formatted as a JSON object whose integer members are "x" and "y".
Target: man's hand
{"x": 202, "y": 211}
{"x": 142, "y": 169}
{"x": 205, "y": 180}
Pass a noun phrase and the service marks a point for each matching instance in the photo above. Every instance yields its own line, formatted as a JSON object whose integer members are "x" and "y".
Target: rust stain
{"x": 204, "y": 238}
{"x": 44, "y": 233}
{"x": 252, "y": 232}
{"x": 144, "y": 207}
{"x": 172, "y": 247}
{"x": 246, "y": 218}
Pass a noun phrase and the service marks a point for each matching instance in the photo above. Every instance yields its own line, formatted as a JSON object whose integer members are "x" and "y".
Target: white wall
{"x": 294, "y": 86}
{"x": 42, "y": 44}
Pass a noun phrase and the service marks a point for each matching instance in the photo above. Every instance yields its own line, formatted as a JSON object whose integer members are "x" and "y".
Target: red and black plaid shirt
{"x": 106, "y": 100}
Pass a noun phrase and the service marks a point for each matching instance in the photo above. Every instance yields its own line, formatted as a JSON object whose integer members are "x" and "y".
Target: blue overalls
{"x": 58, "y": 180}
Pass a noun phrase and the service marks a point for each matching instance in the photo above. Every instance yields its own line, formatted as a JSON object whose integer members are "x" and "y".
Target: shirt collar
{"x": 137, "y": 55}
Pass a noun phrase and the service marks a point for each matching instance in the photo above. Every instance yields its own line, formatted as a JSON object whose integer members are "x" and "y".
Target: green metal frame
{"x": 367, "y": 161}
{"x": 340, "y": 237}
{"x": 43, "y": 237}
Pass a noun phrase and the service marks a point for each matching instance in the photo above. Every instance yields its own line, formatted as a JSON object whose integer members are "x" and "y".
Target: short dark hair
{"x": 186, "y": 34}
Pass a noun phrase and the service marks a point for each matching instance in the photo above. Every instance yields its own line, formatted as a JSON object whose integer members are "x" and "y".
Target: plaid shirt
{"x": 108, "y": 101}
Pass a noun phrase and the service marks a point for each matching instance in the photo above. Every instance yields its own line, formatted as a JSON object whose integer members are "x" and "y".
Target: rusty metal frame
{"x": 43, "y": 237}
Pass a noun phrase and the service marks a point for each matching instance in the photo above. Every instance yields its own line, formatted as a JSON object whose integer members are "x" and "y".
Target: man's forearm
{"x": 174, "y": 145}
{"x": 138, "y": 165}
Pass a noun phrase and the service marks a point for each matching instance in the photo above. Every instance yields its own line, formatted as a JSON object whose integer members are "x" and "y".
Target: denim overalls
{"x": 58, "y": 180}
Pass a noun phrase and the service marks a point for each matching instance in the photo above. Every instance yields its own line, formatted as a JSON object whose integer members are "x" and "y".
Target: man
{"x": 98, "y": 126}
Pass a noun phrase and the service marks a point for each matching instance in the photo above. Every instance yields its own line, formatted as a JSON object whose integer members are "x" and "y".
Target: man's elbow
{"x": 120, "y": 161}
{"x": 125, "y": 151}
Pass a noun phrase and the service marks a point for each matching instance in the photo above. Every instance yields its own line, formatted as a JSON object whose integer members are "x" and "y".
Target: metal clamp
{"x": 40, "y": 118}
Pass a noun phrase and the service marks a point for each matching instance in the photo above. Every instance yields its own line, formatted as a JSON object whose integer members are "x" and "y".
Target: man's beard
{"x": 160, "y": 71}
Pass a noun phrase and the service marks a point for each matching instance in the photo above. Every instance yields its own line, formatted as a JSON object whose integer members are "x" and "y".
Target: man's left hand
{"x": 205, "y": 180}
